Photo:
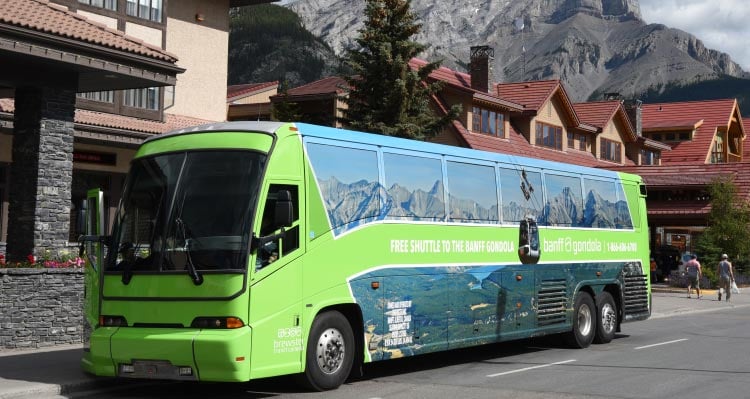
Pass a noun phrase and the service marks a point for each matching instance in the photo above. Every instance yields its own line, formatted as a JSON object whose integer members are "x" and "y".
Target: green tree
{"x": 387, "y": 96}
{"x": 728, "y": 228}
{"x": 285, "y": 110}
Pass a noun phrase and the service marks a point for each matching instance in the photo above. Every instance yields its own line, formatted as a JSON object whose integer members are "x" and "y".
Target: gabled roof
{"x": 462, "y": 82}
{"x": 714, "y": 114}
{"x": 49, "y": 18}
{"x": 533, "y": 96}
{"x": 248, "y": 89}
{"x": 599, "y": 113}
{"x": 332, "y": 86}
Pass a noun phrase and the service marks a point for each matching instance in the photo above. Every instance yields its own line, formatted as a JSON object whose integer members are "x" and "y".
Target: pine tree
{"x": 387, "y": 96}
{"x": 285, "y": 110}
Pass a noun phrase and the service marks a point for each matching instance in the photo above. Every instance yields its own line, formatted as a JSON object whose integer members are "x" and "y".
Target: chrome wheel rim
{"x": 584, "y": 320}
{"x": 609, "y": 318}
{"x": 330, "y": 350}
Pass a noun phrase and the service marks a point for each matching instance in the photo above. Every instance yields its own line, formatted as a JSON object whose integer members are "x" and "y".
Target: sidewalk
{"x": 56, "y": 371}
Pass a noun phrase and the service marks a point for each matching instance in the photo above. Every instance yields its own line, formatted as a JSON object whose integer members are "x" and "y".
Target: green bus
{"x": 245, "y": 250}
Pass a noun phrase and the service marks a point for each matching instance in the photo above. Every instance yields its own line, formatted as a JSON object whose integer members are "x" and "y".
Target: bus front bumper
{"x": 170, "y": 354}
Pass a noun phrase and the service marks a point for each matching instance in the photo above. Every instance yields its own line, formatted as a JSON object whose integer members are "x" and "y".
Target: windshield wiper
{"x": 127, "y": 268}
{"x": 192, "y": 272}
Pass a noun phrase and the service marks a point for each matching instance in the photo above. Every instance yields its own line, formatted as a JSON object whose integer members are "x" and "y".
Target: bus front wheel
{"x": 584, "y": 321}
{"x": 606, "y": 324}
{"x": 330, "y": 352}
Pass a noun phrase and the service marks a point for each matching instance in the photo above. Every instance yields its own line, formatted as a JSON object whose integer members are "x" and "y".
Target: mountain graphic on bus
{"x": 350, "y": 205}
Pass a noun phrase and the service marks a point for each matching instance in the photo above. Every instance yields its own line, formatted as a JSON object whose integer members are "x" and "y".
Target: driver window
{"x": 272, "y": 250}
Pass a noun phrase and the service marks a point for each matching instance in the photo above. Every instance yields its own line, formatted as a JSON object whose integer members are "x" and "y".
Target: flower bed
{"x": 63, "y": 259}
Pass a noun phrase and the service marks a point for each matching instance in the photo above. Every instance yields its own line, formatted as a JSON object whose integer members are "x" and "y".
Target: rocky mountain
{"x": 594, "y": 46}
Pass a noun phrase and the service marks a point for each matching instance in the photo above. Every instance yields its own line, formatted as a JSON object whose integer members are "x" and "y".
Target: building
{"x": 251, "y": 102}
{"x": 83, "y": 82}
{"x": 706, "y": 140}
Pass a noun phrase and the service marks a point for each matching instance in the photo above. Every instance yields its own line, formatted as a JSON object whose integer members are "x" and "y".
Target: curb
{"x": 54, "y": 389}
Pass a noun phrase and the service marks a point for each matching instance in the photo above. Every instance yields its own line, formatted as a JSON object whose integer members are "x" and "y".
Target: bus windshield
{"x": 187, "y": 211}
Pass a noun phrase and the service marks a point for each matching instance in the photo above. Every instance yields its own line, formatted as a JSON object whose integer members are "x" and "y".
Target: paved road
{"x": 687, "y": 348}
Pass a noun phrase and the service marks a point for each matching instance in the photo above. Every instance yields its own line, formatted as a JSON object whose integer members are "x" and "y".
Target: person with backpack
{"x": 693, "y": 270}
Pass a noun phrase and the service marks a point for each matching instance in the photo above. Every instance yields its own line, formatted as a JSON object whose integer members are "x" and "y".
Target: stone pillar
{"x": 41, "y": 172}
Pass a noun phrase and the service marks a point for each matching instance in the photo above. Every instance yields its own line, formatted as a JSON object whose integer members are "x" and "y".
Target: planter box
{"x": 40, "y": 307}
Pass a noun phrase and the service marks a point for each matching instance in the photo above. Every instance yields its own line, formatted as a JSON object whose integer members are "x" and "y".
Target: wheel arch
{"x": 353, "y": 314}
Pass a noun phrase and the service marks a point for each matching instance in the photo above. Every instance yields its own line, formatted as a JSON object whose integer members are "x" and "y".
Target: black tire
{"x": 584, "y": 322}
{"x": 606, "y": 320}
{"x": 330, "y": 352}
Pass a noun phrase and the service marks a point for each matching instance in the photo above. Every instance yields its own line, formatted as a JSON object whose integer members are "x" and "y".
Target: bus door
{"x": 276, "y": 284}
{"x": 416, "y": 312}
{"x": 92, "y": 217}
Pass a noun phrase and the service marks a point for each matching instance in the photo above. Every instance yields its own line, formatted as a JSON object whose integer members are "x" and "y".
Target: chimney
{"x": 480, "y": 68}
{"x": 633, "y": 109}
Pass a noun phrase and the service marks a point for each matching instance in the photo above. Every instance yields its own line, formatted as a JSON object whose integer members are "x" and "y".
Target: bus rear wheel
{"x": 606, "y": 324}
{"x": 330, "y": 352}
{"x": 584, "y": 322}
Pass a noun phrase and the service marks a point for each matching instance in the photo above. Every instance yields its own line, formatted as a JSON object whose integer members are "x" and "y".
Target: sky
{"x": 722, "y": 25}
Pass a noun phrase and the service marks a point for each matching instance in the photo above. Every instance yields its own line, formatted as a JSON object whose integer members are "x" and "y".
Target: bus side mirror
{"x": 284, "y": 209}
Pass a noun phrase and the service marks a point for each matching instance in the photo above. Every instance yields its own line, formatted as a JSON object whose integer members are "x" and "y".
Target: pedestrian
{"x": 726, "y": 277}
{"x": 653, "y": 270}
{"x": 694, "y": 274}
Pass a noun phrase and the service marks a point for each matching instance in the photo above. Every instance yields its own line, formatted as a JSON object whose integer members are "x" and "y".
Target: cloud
{"x": 721, "y": 25}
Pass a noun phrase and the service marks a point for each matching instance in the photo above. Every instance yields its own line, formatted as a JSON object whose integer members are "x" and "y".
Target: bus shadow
{"x": 288, "y": 385}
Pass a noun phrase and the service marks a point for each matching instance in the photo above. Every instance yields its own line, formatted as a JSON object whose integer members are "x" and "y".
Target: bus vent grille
{"x": 551, "y": 304}
{"x": 636, "y": 294}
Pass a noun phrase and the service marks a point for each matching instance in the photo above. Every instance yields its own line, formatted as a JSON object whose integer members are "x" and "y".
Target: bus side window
{"x": 270, "y": 251}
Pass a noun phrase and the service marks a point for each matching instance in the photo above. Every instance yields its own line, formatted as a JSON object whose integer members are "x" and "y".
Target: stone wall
{"x": 40, "y": 307}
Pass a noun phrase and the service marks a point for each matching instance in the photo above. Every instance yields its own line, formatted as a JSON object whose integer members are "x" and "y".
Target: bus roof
{"x": 351, "y": 136}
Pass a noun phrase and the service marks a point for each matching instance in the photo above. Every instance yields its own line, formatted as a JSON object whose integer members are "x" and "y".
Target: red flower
{"x": 31, "y": 258}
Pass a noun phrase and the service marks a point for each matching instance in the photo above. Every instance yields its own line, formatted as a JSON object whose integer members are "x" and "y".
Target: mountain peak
{"x": 593, "y": 46}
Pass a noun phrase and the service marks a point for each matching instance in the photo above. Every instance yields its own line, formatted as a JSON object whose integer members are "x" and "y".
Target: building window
{"x": 101, "y": 96}
{"x": 717, "y": 154}
{"x": 673, "y": 136}
{"x": 108, "y": 4}
{"x": 549, "y": 136}
{"x": 611, "y": 150}
{"x": 581, "y": 139}
{"x": 147, "y": 98}
{"x": 582, "y": 142}
{"x": 146, "y": 9}
{"x": 488, "y": 122}
{"x": 649, "y": 157}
